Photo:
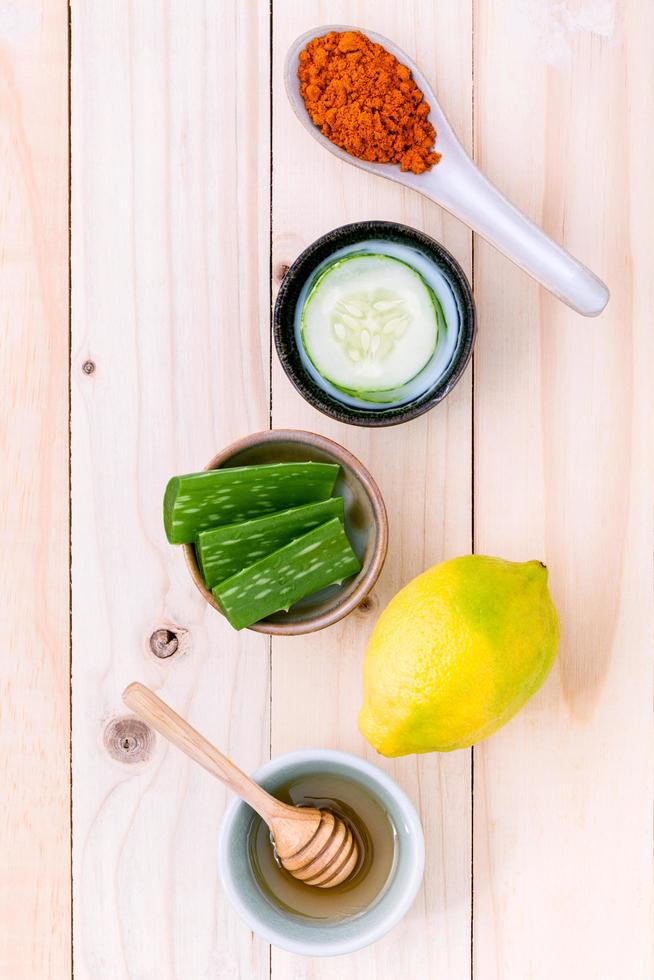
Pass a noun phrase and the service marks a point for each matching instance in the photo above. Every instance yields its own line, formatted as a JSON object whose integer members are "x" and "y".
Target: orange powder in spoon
{"x": 365, "y": 101}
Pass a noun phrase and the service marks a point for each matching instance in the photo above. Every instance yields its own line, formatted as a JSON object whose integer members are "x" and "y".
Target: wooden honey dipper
{"x": 315, "y": 846}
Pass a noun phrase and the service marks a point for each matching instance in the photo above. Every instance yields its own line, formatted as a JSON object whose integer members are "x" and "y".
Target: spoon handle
{"x": 168, "y": 723}
{"x": 474, "y": 200}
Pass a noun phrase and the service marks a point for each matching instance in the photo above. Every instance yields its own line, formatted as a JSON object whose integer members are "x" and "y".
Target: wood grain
{"x": 170, "y": 360}
{"x": 563, "y": 795}
{"x": 34, "y": 663}
{"x": 170, "y": 197}
{"x": 424, "y": 472}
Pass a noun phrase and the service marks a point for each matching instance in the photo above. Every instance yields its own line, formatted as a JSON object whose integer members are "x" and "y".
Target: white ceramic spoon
{"x": 458, "y": 186}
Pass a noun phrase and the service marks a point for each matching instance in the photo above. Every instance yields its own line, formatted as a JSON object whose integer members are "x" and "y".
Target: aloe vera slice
{"x": 223, "y": 551}
{"x": 197, "y": 501}
{"x": 319, "y": 558}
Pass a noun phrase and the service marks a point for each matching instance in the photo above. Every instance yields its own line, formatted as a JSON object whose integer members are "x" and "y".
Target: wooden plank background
{"x": 34, "y": 505}
{"x": 191, "y": 186}
{"x": 170, "y": 238}
{"x": 562, "y": 838}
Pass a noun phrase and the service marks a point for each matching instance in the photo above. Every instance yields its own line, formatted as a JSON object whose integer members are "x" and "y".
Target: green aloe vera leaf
{"x": 223, "y": 551}
{"x": 322, "y": 557}
{"x": 197, "y": 501}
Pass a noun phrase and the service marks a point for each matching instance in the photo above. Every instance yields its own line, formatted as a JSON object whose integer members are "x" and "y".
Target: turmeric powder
{"x": 365, "y": 101}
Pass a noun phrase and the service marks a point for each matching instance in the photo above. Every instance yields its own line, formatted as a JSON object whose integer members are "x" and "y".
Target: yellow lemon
{"x": 456, "y": 653}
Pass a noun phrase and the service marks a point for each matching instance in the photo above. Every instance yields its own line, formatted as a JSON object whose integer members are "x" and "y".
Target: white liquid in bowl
{"x": 448, "y": 337}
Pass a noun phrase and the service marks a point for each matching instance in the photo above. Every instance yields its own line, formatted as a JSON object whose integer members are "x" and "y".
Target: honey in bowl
{"x": 376, "y": 839}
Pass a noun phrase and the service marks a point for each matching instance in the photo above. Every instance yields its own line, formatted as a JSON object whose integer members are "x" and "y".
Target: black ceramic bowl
{"x": 303, "y": 270}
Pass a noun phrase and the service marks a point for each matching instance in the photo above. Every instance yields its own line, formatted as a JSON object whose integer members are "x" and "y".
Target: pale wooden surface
{"x": 34, "y": 664}
{"x": 171, "y": 228}
{"x": 563, "y": 796}
{"x": 170, "y": 300}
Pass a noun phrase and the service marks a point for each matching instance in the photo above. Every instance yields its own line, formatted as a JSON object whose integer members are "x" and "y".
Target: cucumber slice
{"x": 322, "y": 557}
{"x": 370, "y": 323}
{"x": 197, "y": 501}
{"x": 223, "y": 551}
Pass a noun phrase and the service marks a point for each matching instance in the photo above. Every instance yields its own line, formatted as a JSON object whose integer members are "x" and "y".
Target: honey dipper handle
{"x": 168, "y": 723}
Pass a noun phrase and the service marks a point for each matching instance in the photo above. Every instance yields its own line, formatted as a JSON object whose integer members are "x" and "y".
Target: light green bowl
{"x": 309, "y": 937}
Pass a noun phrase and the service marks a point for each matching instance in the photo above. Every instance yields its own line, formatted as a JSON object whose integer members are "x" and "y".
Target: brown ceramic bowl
{"x": 365, "y": 523}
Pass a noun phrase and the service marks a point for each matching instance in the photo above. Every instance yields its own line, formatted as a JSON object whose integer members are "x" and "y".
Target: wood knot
{"x": 88, "y": 367}
{"x": 282, "y": 270}
{"x": 367, "y": 603}
{"x": 128, "y": 739}
{"x": 164, "y": 643}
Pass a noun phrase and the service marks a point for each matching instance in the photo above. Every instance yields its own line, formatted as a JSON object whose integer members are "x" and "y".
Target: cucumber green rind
{"x": 223, "y": 551}
{"x": 197, "y": 501}
{"x": 322, "y": 557}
